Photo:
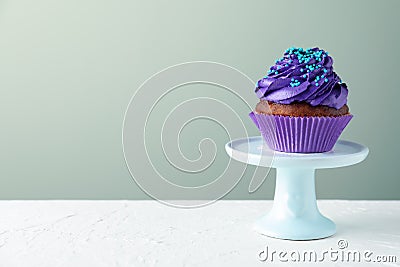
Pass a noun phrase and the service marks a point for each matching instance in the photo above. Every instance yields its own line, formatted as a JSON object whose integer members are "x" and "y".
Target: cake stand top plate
{"x": 254, "y": 151}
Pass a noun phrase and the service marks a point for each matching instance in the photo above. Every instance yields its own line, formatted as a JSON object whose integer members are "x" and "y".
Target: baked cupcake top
{"x": 306, "y": 76}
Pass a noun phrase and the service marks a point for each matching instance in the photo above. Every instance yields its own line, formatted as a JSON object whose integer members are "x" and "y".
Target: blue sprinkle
{"x": 304, "y": 76}
{"x": 326, "y": 80}
{"x": 316, "y": 84}
{"x": 322, "y": 76}
{"x": 301, "y": 70}
{"x": 286, "y": 65}
{"x": 276, "y": 72}
{"x": 292, "y": 79}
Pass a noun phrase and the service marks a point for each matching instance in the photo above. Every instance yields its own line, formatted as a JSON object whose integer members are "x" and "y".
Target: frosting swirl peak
{"x": 303, "y": 75}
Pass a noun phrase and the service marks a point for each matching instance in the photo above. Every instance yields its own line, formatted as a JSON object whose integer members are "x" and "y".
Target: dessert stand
{"x": 295, "y": 213}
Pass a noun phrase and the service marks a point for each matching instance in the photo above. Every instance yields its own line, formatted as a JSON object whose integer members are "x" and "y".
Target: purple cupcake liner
{"x": 300, "y": 134}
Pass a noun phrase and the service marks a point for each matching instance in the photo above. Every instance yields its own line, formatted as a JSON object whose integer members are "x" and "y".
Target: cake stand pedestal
{"x": 295, "y": 213}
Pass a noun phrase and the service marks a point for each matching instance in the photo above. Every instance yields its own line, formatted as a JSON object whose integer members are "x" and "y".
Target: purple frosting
{"x": 303, "y": 75}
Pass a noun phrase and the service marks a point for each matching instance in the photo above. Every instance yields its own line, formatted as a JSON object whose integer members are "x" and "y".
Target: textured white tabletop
{"x": 147, "y": 233}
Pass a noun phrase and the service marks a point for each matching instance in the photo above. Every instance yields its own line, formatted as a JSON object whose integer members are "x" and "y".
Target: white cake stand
{"x": 295, "y": 214}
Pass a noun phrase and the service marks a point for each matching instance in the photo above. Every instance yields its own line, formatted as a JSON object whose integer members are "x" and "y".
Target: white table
{"x": 147, "y": 233}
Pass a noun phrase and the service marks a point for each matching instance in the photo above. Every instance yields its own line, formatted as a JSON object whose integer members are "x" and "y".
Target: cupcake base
{"x": 300, "y": 134}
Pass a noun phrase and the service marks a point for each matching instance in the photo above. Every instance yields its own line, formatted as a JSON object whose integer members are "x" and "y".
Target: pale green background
{"x": 69, "y": 68}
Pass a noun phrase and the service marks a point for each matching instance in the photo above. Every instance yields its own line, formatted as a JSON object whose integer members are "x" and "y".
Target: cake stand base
{"x": 294, "y": 214}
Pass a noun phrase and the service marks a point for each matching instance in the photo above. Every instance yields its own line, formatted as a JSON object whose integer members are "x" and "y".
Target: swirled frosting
{"x": 303, "y": 75}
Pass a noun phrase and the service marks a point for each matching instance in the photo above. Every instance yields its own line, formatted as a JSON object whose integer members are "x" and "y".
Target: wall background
{"x": 68, "y": 70}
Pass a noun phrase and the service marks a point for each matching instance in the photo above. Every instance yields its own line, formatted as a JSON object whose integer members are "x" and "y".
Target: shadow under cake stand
{"x": 295, "y": 213}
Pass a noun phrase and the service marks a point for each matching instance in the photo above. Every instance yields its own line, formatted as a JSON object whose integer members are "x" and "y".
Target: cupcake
{"x": 303, "y": 103}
